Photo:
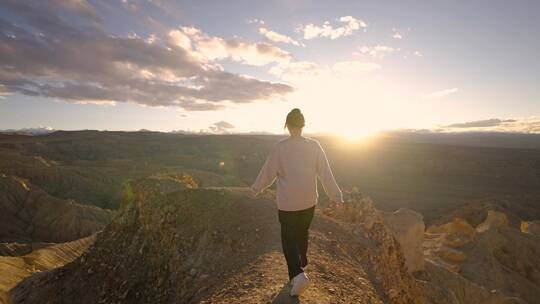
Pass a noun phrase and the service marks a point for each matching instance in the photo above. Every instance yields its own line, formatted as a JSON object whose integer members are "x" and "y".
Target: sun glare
{"x": 357, "y": 136}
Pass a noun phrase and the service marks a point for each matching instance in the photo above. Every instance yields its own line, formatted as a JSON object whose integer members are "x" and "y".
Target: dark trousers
{"x": 294, "y": 238}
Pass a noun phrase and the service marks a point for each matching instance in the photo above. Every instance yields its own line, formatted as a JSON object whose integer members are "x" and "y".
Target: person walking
{"x": 296, "y": 162}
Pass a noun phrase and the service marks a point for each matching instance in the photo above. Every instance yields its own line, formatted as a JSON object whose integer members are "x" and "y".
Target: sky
{"x": 354, "y": 68}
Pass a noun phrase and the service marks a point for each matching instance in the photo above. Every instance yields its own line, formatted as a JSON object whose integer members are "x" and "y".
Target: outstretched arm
{"x": 268, "y": 173}
{"x": 327, "y": 178}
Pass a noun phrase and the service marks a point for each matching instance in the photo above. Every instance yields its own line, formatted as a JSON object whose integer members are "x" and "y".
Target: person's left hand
{"x": 332, "y": 207}
{"x": 335, "y": 205}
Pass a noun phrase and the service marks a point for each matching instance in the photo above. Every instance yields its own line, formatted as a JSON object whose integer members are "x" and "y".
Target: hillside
{"x": 15, "y": 266}
{"x": 29, "y": 214}
{"x": 94, "y": 184}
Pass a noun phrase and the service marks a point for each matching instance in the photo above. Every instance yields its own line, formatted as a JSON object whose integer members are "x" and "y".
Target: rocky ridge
{"x": 218, "y": 246}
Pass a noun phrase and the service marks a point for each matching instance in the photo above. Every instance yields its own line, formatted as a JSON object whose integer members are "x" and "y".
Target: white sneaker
{"x": 299, "y": 284}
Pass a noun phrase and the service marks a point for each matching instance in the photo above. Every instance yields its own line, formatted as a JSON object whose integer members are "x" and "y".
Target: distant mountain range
{"x": 467, "y": 138}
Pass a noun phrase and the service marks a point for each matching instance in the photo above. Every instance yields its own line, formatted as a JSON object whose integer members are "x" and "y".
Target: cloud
{"x": 441, "y": 93}
{"x": 204, "y": 46}
{"x": 350, "y": 24}
{"x": 277, "y": 37}
{"x": 378, "y": 51}
{"x": 524, "y": 125}
{"x": 480, "y": 123}
{"x": 520, "y": 125}
{"x": 80, "y": 7}
{"x": 3, "y": 92}
{"x": 130, "y": 5}
{"x": 221, "y": 127}
{"x": 295, "y": 68}
{"x": 396, "y": 34}
{"x": 42, "y": 54}
{"x": 305, "y": 70}
{"x": 255, "y": 21}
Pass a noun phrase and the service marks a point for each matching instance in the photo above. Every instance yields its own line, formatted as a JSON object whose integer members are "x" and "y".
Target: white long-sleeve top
{"x": 296, "y": 162}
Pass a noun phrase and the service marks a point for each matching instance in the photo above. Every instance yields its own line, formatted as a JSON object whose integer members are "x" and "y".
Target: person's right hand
{"x": 251, "y": 193}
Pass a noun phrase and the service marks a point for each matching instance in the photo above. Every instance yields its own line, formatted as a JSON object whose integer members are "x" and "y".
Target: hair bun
{"x": 296, "y": 111}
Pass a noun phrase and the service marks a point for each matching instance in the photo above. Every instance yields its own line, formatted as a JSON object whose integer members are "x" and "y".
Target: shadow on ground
{"x": 283, "y": 296}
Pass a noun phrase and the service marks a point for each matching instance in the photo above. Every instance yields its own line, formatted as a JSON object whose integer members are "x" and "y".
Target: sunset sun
{"x": 357, "y": 135}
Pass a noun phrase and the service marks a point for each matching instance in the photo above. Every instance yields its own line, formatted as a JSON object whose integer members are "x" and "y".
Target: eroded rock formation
{"x": 407, "y": 226}
{"x": 490, "y": 263}
{"x": 31, "y": 215}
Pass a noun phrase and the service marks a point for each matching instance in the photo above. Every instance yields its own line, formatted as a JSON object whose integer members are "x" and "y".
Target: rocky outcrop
{"x": 531, "y": 227}
{"x": 407, "y": 226}
{"x": 505, "y": 260}
{"x": 493, "y": 220}
{"x": 388, "y": 261}
{"x": 443, "y": 244}
{"x": 475, "y": 212}
{"x": 446, "y": 287}
{"x": 214, "y": 246}
{"x": 31, "y": 215}
{"x": 490, "y": 263}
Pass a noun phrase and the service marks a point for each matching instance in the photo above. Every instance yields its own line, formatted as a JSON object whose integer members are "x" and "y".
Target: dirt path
{"x": 337, "y": 276}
